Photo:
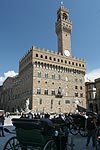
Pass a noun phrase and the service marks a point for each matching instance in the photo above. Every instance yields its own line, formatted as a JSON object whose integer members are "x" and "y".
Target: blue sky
{"x": 24, "y": 23}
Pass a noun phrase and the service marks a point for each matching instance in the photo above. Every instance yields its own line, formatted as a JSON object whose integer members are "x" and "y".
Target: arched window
{"x": 64, "y": 16}
{"x": 54, "y": 59}
{"x": 45, "y": 57}
{"x": 50, "y": 58}
{"x": 41, "y": 56}
{"x": 36, "y": 55}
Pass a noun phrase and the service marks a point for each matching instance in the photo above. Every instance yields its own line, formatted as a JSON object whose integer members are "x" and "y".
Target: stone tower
{"x": 63, "y": 31}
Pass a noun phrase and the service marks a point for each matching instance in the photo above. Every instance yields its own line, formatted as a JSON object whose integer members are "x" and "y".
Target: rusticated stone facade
{"x": 53, "y": 81}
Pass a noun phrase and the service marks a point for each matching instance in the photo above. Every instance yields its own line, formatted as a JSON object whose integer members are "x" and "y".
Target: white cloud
{"x": 7, "y": 74}
{"x": 92, "y": 75}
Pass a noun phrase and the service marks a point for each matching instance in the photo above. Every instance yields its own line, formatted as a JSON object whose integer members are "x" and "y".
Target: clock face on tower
{"x": 67, "y": 53}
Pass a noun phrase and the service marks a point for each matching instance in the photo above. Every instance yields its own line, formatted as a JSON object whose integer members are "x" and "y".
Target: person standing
{"x": 91, "y": 127}
{"x": 98, "y": 119}
{"x": 1, "y": 124}
{"x": 30, "y": 115}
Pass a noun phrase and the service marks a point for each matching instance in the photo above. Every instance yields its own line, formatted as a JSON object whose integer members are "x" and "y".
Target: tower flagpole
{"x": 62, "y": 2}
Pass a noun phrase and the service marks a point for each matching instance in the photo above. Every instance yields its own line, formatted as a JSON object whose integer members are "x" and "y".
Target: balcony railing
{"x": 58, "y": 96}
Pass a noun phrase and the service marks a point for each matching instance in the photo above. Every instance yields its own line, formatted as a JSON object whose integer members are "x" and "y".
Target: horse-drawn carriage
{"x": 77, "y": 125}
{"x": 30, "y": 135}
{"x": 33, "y": 134}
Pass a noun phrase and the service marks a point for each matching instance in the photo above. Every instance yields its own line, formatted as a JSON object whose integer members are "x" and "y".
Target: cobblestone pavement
{"x": 79, "y": 142}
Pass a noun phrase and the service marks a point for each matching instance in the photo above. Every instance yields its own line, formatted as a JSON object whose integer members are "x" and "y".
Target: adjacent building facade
{"x": 93, "y": 95}
{"x": 91, "y": 100}
{"x": 52, "y": 81}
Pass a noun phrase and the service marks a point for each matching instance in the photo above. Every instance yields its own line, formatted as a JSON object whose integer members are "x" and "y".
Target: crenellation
{"x": 59, "y": 54}
{"x": 46, "y": 50}
{"x": 55, "y": 52}
{"x": 80, "y": 59}
{"x": 43, "y": 49}
{"x": 51, "y": 51}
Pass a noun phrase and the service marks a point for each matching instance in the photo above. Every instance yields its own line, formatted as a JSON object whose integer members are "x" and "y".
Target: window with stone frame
{"x": 50, "y": 58}
{"x": 36, "y": 55}
{"x": 46, "y": 75}
{"x": 46, "y": 91}
{"x": 67, "y": 101}
{"x": 53, "y": 76}
{"x": 79, "y": 65}
{"x": 59, "y": 102}
{"x": 81, "y": 94}
{"x": 40, "y": 101}
{"x": 38, "y": 91}
{"x": 65, "y": 16}
{"x": 80, "y": 87}
{"x": 41, "y": 56}
{"x": 80, "y": 80}
{"x": 59, "y": 77}
{"x": 61, "y": 61}
{"x": 54, "y": 59}
{"x": 52, "y": 92}
{"x": 38, "y": 74}
{"x": 51, "y": 103}
{"x": 45, "y": 57}
{"x": 76, "y": 94}
{"x": 82, "y": 65}
{"x": 76, "y": 87}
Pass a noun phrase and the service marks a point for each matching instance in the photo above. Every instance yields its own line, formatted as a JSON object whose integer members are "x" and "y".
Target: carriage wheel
{"x": 50, "y": 145}
{"x": 12, "y": 144}
{"x": 74, "y": 130}
{"x": 97, "y": 144}
{"x": 83, "y": 132}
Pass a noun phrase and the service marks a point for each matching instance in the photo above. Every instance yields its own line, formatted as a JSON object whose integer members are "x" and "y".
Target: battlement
{"x": 38, "y": 49}
{"x": 44, "y": 50}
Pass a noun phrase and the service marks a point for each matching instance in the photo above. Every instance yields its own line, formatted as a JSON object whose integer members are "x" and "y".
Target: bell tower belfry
{"x": 63, "y": 30}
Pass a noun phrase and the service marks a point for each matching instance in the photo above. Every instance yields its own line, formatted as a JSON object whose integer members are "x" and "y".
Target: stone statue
{"x": 27, "y": 105}
{"x": 76, "y": 103}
